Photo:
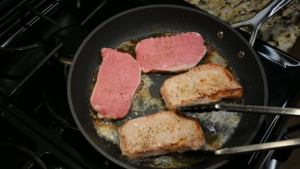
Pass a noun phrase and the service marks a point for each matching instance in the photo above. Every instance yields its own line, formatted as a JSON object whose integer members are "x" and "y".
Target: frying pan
{"x": 142, "y": 22}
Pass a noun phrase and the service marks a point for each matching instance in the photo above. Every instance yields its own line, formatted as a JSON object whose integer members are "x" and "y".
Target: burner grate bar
{"x": 93, "y": 12}
{"x": 9, "y": 12}
{"x": 16, "y": 22}
{"x": 29, "y": 24}
{"x": 21, "y": 84}
{"x": 41, "y": 15}
{"x": 55, "y": 115}
{"x": 19, "y": 48}
{"x": 16, "y": 14}
{"x": 23, "y": 149}
{"x": 265, "y": 138}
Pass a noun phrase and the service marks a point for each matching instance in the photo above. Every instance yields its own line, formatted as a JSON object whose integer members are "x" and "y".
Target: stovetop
{"x": 35, "y": 58}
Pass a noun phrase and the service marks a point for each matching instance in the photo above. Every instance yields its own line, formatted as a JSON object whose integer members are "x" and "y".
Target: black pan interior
{"x": 142, "y": 22}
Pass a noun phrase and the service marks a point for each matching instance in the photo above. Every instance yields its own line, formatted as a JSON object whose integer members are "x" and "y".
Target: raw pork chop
{"x": 160, "y": 133}
{"x": 170, "y": 54}
{"x": 118, "y": 80}
{"x": 203, "y": 84}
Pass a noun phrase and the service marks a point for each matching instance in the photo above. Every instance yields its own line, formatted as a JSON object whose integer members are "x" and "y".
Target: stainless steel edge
{"x": 259, "y": 147}
{"x": 259, "y": 109}
{"x": 262, "y": 16}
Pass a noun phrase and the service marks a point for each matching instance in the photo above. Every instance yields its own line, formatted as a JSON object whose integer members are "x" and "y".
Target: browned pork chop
{"x": 160, "y": 133}
{"x": 203, "y": 84}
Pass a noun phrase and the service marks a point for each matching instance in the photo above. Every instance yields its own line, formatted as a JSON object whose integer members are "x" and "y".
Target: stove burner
{"x": 25, "y": 150}
{"x": 71, "y": 37}
{"x": 56, "y": 116}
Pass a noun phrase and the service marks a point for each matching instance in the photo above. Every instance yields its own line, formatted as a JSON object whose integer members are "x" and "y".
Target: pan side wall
{"x": 142, "y": 22}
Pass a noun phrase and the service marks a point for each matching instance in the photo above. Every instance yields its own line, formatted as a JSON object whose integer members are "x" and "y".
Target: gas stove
{"x": 38, "y": 40}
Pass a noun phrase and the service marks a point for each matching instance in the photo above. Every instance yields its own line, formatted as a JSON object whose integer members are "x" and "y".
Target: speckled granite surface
{"x": 281, "y": 31}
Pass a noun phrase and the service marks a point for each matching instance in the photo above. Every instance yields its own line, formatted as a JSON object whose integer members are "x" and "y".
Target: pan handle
{"x": 261, "y": 17}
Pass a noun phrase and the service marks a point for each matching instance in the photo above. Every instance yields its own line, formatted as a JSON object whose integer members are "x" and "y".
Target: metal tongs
{"x": 243, "y": 108}
{"x": 246, "y": 149}
{"x": 246, "y": 109}
{"x": 255, "y": 23}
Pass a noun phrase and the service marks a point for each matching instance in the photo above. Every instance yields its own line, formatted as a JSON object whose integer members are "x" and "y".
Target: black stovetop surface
{"x": 36, "y": 115}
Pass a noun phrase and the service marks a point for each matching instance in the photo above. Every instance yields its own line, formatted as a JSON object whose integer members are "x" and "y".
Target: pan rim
{"x": 69, "y": 82}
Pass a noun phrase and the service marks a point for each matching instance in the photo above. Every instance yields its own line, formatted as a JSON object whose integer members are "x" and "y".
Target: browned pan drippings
{"x": 139, "y": 23}
{"x": 217, "y": 126}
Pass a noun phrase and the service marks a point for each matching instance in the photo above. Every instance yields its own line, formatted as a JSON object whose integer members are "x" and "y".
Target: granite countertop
{"x": 280, "y": 31}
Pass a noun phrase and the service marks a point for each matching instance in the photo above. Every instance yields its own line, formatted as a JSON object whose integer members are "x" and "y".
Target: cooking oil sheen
{"x": 218, "y": 126}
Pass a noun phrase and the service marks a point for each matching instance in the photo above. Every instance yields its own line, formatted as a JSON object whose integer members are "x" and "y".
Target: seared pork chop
{"x": 203, "y": 84}
{"x": 170, "y": 54}
{"x": 160, "y": 133}
{"x": 118, "y": 80}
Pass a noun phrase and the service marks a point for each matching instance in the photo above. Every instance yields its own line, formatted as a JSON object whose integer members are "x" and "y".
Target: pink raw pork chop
{"x": 170, "y": 54}
{"x": 118, "y": 80}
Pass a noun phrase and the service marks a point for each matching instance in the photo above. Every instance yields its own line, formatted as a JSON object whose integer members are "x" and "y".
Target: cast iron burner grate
{"x": 33, "y": 83}
{"x": 71, "y": 37}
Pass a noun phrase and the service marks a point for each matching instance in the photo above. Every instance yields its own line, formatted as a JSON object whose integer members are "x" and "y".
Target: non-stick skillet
{"x": 140, "y": 23}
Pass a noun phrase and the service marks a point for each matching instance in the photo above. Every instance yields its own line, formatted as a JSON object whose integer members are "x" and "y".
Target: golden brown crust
{"x": 137, "y": 141}
{"x": 203, "y": 84}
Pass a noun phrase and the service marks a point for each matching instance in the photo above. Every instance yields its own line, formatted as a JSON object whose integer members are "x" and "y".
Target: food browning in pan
{"x": 170, "y": 54}
{"x": 160, "y": 133}
{"x": 206, "y": 83}
{"x": 118, "y": 80}
{"x": 212, "y": 56}
{"x": 148, "y": 101}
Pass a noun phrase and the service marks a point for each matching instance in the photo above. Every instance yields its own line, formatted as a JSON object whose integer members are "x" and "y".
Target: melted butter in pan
{"x": 143, "y": 103}
{"x": 218, "y": 126}
{"x": 128, "y": 47}
{"x": 107, "y": 130}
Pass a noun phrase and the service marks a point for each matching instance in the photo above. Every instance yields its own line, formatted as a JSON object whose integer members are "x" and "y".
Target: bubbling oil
{"x": 218, "y": 126}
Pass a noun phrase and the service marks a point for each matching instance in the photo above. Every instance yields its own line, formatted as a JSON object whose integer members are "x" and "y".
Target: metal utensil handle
{"x": 261, "y": 17}
{"x": 259, "y": 147}
{"x": 259, "y": 109}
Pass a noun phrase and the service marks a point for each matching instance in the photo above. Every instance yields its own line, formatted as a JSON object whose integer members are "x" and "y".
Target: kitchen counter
{"x": 280, "y": 31}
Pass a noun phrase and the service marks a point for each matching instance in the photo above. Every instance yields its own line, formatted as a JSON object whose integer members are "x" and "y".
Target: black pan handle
{"x": 243, "y": 108}
{"x": 261, "y": 17}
